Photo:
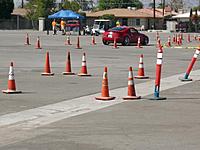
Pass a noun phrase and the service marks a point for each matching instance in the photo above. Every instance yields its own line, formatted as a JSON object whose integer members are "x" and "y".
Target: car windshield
{"x": 117, "y": 29}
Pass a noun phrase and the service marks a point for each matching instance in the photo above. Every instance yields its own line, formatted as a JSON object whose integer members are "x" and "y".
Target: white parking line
{"x": 44, "y": 115}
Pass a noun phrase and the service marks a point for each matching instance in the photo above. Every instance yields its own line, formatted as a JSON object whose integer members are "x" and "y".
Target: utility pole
{"x": 163, "y": 8}
{"x": 22, "y": 3}
{"x": 154, "y": 14}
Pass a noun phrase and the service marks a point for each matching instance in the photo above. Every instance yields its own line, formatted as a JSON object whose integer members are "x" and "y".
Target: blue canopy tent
{"x": 65, "y": 14}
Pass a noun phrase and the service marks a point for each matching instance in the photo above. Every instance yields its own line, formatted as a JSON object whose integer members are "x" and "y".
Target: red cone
{"x": 93, "y": 40}
{"x": 38, "y": 45}
{"x": 139, "y": 43}
{"x": 105, "y": 89}
{"x": 84, "y": 67}
{"x": 68, "y": 42}
{"x": 47, "y": 68}
{"x": 131, "y": 87}
{"x": 68, "y": 66}
{"x": 27, "y": 41}
{"x": 11, "y": 82}
{"x": 78, "y": 43}
{"x": 115, "y": 44}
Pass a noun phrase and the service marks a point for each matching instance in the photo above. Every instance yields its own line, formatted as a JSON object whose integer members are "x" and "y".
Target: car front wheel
{"x": 126, "y": 41}
{"x": 105, "y": 42}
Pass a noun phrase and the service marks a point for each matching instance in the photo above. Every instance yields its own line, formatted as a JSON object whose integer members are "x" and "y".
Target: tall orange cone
{"x": 68, "y": 42}
{"x": 169, "y": 42}
{"x": 78, "y": 43}
{"x": 139, "y": 43}
{"x": 141, "y": 74}
{"x": 105, "y": 89}
{"x": 47, "y": 68}
{"x": 11, "y": 82}
{"x": 93, "y": 40}
{"x": 84, "y": 67}
{"x": 38, "y": 45}
{"x": 27, "y": 40}
{"x": 68, "y": 66}
{"x": 131, "y": 87}
{"x": 158, "y": 43}
{"x": 115, "y": 44}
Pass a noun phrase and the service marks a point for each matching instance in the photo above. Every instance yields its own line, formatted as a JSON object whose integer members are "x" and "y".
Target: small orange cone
{"x": 131, "y": 87}
{"x": 27, "y": 41}
{"x": 115, "y": 44}
{"x": 139, "y": 43}
{"x": 78, "y": 43}
{"x": 169, "y": 42}
{"x": 93, "y": 40}
{"x": 68, "y": 42}
{"x": 84, "y": 67}
{"x": 105, "y": 89}
{"x": 11, "y": 82}
{"x": 47, "y": 68}
{"x": 174, "y": 39}
{"x": 68, "y": 66}
{"x": 38, "y": 45}
{"x": 141, "y": 69}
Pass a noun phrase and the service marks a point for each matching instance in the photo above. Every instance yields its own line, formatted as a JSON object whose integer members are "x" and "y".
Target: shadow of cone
{"x": 11, "y": 82}
{"x": 105, "y": 89}
{"x": 84, "y": 67}
{"x": 68, "y": 66}
{"x": 141, "y": 74}
{"x": 47, "y": 68}
{"x": 131, "y": 87}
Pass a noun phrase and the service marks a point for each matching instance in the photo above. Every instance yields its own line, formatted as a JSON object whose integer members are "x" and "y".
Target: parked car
{"x": 125, "y": 35}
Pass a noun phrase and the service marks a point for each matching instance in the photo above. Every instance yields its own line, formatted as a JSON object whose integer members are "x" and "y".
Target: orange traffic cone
{"x": 68, "y": 66}
{"x": 105, "y": 89}
{"x": 139, "y": 43}
{"x": 27, "y": 41}
{"x": 131, "y": 87}
{"x": 47, "y": 68}
{"x": 158, "y": 43}
{"x": 68, "y": 42}
{"x": 141, "y": 69}
{"x": 93, "y": 40}
{"x": 188, "y": 38}
{"x": 78, "y": 43}
{"x": 115, "y": 44}
{"x": 169, "y": 42}
{"x": 38, "y": 45}
{"x": 84, "y": 67}
{"x": 11, "y": 82}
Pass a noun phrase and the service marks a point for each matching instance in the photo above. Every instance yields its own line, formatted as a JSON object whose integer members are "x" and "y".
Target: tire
{"x": 126, "y": 41}
{"x": 146, "y": 41}
{"x": 105, "y": 42}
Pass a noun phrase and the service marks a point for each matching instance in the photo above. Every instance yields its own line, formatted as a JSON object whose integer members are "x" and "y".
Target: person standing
{"x": 62, "y": 25}
{"x": 54, "y": 27}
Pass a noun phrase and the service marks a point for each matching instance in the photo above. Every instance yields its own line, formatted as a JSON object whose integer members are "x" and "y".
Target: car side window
{"x": 133, "y": 30}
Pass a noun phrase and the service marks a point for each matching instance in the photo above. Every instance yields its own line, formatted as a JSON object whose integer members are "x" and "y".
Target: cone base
{"x": 104, "y": 98}
{"x": 82, "y": 74}
{"x": 26, "y": 44}
{"x": 38, "y": 48}
{"x": 158, "y": 98}
{"x": 183, "y": 79}
{"x": 141, "y": 77}
{"x": 78, "y": 47}
{"x": 68, "y": 73}
{"x": 131, "y": 97}
{"x": 47, "y": 74}
{"x": 115, "y": 47}
{"x": 139, "y": 47}
{"x": 11, "y": 91}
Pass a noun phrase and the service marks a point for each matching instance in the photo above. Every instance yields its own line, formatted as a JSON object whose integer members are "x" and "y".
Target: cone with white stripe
{"x": 169, "y": 42}
{"x": 11, "y": 82}
{"x": 27, "y": 41}
{"x": 68, "y": 66}
{"x": 141, "y": 74}
{"x": 84, "y": 67}
{"x": 131, "y": 87}
{"x": 38, "y": 45}
{"x": 105, "y": 89}
{"x": 139, "y": 43}
{"x": 47, "y": 68}
{"x": 68, "y": 42}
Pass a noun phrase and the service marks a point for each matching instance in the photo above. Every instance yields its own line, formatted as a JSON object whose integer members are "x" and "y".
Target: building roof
{"x": 129, "y": 13}
{"x": 19, "y": 12}
{"x": 185, "y": 15}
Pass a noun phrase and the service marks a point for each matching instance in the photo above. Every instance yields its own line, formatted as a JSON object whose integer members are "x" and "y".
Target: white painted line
{"x": 44, "y": 115}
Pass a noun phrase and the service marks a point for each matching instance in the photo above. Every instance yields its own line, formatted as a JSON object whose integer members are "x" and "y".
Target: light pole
{"x": 154, "y": 14}
{"x": 22, "y": 3}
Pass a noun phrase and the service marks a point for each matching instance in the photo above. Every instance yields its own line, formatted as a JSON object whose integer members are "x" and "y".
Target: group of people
{"x": 56, "y": 25}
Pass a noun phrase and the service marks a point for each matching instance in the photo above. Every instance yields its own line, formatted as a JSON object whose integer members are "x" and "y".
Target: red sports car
{"x": 124, "y": 35}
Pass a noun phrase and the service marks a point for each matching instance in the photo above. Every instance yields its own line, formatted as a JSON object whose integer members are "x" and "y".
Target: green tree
{"x": 108, "y": 4}
{"x": 74, "y": 6}
{"x": 6, "y": 8}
